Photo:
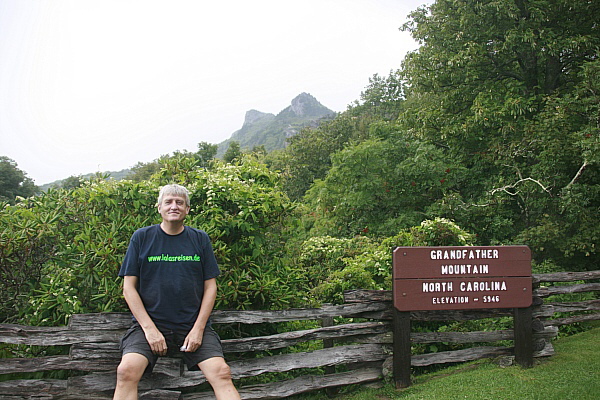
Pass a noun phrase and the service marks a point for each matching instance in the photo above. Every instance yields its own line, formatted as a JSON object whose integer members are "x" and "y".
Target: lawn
{"x": 572, "y": 373}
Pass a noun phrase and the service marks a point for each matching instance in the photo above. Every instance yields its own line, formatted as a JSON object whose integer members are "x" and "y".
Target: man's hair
{"x": 174, "y": 190}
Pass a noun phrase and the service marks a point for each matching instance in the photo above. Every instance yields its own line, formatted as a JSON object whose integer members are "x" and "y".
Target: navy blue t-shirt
{"x": 171, "y": 271}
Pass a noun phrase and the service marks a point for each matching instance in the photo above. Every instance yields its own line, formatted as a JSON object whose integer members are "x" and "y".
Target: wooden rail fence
{"x": 364, "y": 348}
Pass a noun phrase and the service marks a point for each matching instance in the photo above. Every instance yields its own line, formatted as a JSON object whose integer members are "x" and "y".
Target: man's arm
{"x": 155, "y": 339}
{"x": 194, "y": 337}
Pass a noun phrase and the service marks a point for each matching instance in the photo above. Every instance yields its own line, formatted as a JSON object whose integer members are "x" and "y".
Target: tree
{"x": 383, "y": 97}
{"x": 206, "y": 152}
{"x": 308, "y": 155}
{"x": 499, "y": 86}
{"x": 378, "y": 187}
{"x": 233, "y": 152}
{"x": 259, "y": 151}
{"x": 72, "y": 182}
{"x": 566, "y": 229}
{"x": 143, "y": 171}
{"x": 14, "y": 182}
{"x": 486, "y": 67}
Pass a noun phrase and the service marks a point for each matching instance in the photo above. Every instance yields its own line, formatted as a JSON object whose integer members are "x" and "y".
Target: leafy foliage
{"x": 14, "y": 182}
{"x": 64, "y": 248}
{"x": 92, "y": 228}
{"x": 233, "y": 152}
{"x": 379, "y": 186}
{"x": 491, "y": 123}
{"x": 308, "y": 156}
{"x": 202, "y": 158}
{"x": 333, "y": 265}
{"x": 528, "y": 144}
{"x": 27, "y": 242}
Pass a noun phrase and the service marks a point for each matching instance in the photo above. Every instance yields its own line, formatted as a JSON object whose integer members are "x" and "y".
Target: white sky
{"x": 98, "y": 85}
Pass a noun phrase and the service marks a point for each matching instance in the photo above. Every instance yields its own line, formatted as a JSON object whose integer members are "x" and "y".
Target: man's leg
{"x": 218, "y": 374}
{"x": 129, "y": 373}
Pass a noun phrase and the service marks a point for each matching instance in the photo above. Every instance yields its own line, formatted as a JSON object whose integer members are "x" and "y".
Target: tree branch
{"x": 505, "y": 188}
{"x": 577, "y": 175}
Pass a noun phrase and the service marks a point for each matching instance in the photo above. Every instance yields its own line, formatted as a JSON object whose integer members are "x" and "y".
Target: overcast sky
{"x": 98, "y": 85}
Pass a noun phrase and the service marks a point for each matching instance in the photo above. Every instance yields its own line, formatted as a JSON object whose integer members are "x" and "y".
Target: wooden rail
{"x": 363, "y": 347}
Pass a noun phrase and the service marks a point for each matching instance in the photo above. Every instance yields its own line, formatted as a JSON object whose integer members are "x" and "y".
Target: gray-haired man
{"x": 169, "y": 283}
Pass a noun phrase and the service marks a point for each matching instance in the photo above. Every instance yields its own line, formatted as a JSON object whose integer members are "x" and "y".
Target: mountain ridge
{"x": 272, "y": 131}
{"x": 259, "y": 129}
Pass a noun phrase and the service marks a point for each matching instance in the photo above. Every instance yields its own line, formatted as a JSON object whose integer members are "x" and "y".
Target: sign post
{"x": 402, "y": 349}
{"x": 463, "y": 278}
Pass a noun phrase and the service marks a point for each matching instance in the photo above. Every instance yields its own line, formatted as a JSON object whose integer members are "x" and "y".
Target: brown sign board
{"x": 462, "y": 277}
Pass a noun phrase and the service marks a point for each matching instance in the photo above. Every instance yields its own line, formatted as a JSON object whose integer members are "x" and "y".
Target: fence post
{"x": 402, "y": 348}
{"x": 523, "y": 327}
{"x": 328, "y": 343}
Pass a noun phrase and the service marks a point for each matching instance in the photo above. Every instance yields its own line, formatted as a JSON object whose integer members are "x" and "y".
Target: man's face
{"x": 173, "y": 208}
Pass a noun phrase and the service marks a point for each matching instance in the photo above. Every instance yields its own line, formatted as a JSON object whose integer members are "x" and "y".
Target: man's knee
{"x": 222, "y": 372}
{"x": 131, "y": 368}
{"x": 217, "y": 370}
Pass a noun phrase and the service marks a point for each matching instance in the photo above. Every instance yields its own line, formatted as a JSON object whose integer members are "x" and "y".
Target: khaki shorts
{"x": 134, "y": 341}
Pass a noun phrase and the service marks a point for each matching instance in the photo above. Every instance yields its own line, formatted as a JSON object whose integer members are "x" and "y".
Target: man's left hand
{"x": 193, "y": 340}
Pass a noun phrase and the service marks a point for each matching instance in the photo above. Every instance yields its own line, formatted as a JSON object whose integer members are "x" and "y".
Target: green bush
{"x": 334, "y": 265}
{"x": 27, "y": 242}
{"x": 90, "y": 234}
{"x": 61, "y": 251}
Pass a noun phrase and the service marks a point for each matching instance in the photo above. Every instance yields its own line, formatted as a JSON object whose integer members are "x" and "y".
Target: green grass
{"x": 572, "y": 373}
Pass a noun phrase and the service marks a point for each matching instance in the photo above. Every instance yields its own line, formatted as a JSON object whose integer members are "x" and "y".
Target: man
{"x": 169, "y": 283}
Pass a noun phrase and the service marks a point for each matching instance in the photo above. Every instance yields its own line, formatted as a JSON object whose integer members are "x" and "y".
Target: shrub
{"x": 334, "y": 265}
{"x": 61, "y": 251}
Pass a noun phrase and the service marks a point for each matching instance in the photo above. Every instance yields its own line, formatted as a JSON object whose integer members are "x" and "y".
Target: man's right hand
{"x": 157, "y": 341}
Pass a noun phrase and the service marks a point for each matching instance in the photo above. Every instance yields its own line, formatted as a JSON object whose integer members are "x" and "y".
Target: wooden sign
{"x": 462, "y": 277}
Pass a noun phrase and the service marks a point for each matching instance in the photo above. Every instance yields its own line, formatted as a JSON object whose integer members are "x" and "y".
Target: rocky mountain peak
{"x": 272, "y": 131}
{"x": 305, "y": 105}
{"x": 253, "y": 115}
